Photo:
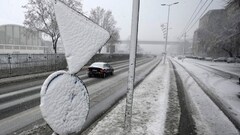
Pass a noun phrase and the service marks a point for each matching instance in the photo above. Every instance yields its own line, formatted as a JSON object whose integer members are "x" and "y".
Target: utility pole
{"x": 165, "y": 48}
{"x": 132, "y": 64}
{"x": 185, "y": 41}
{"x": 166, "y": 42}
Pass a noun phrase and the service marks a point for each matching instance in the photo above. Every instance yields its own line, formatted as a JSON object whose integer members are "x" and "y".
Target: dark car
{"x": 200, "y": 58}
{"x": 100, "y": 69}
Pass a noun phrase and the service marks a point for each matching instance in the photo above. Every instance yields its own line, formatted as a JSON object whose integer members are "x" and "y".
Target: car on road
{"x": 220, "y": 59}
{"x": 208, "y": 58}
{"x": 200, "y": 58}
{"x": 231, "y": 60}
{"x": 100, "y": 69}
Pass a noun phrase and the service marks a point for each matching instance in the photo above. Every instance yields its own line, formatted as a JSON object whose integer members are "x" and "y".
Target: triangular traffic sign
{"x": 81, "y": 37}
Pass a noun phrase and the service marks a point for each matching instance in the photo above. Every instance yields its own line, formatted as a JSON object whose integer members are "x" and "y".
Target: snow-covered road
{"x": 153, "y": 100}
{"x": 210, "y": 99}
{"x": 103, "y": 94}
{"x": 213, "y": 96}
{"x": 149, "y": 107}
{"x": 233, "y": 68}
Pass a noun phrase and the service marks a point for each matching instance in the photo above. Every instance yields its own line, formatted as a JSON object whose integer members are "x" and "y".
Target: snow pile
{"x": 64, "y": 102}
{"x": 149, "y": 108}
{"x": 81, "y": 37}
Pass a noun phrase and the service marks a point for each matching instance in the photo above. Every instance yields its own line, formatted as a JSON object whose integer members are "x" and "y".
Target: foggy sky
{"x": 152, "y": 15}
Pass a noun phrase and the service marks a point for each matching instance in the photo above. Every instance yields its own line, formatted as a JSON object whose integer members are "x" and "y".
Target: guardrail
{"x": 23, "y": 64}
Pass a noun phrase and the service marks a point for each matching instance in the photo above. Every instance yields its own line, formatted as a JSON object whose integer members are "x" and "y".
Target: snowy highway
{"x": 19, "y": 102}
{"x": 211, "y": 90}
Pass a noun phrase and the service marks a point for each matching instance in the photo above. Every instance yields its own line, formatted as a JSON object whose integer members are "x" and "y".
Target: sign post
{"x": 132, "y": 64}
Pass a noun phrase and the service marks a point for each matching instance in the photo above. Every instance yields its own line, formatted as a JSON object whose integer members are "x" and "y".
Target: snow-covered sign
{"x": 64, "y": 102}
{"x": 81, "y": 37}
{"x": 64, "y": 97}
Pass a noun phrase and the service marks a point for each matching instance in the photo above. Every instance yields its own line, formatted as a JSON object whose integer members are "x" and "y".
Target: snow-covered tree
{"x": 106, "y": 20}
{"x": 40, "y": 16}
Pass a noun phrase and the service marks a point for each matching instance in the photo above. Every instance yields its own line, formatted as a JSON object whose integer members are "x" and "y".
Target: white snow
{"x": 232, "y": 68}
{"x": 149, "y": 107}
{"x": 226, "y": 89}
{"x": 81, "y": 37}
{"x": 64, "y": 102}
{"x": 208, "y": 117}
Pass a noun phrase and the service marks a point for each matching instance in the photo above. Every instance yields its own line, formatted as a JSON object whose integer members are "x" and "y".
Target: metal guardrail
{"x": 22, "y": 64}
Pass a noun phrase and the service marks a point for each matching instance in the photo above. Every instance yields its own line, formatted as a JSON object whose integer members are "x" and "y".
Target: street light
{"x": 165, "y": 50}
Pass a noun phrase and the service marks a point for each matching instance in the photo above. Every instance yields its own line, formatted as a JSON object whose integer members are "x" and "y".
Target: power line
{"x": 198, "y": 12}
{"x": 192, "y": 16}
{"x": 189, "y": 24}
{"x": 200, "y": 16}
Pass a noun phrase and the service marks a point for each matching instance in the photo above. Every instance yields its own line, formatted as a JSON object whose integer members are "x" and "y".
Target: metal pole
{"x": 184, "y": 43}
{"x": 165, "y": 50}
{"x": 132, "y": 64}
{"x": 10, "y": 66}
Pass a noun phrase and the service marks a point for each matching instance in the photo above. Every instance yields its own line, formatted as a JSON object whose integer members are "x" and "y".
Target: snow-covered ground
{"x": 223, "y": 90}
{"x": 227, "y": 67}
{"x": 149, "y": 107}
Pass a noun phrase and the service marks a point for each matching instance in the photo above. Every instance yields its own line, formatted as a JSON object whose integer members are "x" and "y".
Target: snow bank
{"x": 231, "y": 68}
{"x": 223, "y": 87}
{"x": 149, "y": 107}
{"x": 81, "y": 37}
{"x": 208, "y": 117}
{"x": 64, "y": 102}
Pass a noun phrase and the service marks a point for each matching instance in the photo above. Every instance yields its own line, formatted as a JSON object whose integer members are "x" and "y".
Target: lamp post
{"x": 132, "y": 64}
{"x": 165, "y": 49}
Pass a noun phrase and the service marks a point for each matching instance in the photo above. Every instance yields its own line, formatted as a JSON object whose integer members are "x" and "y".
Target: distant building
{"x": 16, "y": 39}
{"x": 213, "y": 20}
{"x": 210, "y": 25}
{"x": 218, "y": 34}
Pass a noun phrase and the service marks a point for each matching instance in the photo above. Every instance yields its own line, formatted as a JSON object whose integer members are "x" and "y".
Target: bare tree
{"x": 40, "y": 16}
{"x": 106, "y": 20}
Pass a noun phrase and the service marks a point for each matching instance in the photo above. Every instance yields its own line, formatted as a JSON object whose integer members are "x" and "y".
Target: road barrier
{"x": 23, "y": 64}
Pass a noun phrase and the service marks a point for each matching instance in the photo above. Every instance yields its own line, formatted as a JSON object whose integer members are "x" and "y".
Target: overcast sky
{"x": 152, "y": 15}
